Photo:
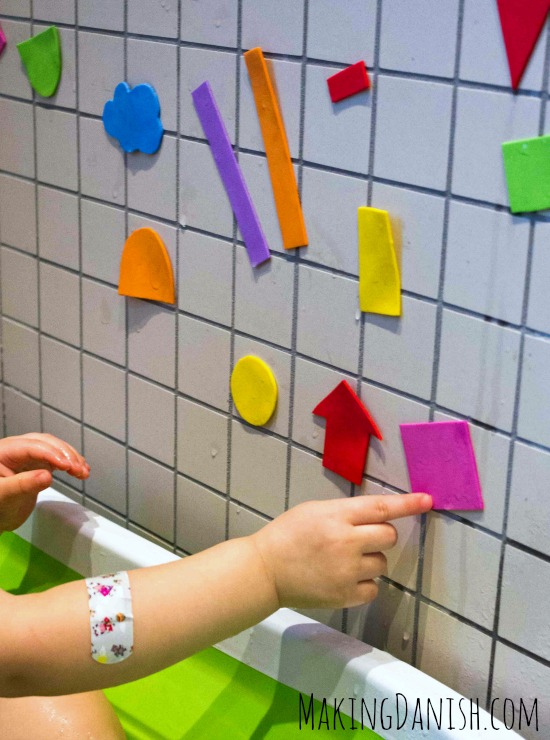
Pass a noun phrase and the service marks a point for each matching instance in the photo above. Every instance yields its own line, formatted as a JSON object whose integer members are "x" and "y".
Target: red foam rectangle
{"x": 348, "y": 81}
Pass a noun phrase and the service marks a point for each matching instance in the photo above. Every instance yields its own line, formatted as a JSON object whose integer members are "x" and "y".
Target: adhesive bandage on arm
{"x": 111, "y": 617}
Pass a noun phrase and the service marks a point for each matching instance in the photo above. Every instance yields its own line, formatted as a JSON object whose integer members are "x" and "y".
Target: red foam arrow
{"x": 521, "y": 22}
{"x": 349, "y": 426}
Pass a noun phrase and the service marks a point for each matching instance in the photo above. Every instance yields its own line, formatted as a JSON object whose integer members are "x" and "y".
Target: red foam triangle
{"x": 521, "y": 22}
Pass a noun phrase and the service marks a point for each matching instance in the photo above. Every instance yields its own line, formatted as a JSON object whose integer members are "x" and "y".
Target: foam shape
{"x": 145, "y": 268}
{"x": 441, "y": 462}
{"x": 521, "y": 24}
{"x": 254, "y": 390}
{"x": 281, "y": 170}
{"x": 231, "y": 174}
{"x": 349, "y": 81}
{"x": 379, "y": 279}
{"x": 2, "y": 40}
{"x": 133, "y": 117}
{"x": 41, "y": 56}
{"x": 349, "y": 426}
{"x": 527, "y": 168}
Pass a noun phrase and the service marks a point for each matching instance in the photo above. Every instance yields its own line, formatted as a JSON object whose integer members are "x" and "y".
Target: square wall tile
{"x": 286, "y": 78}
{"x": 336, "y": 134}
{"x": 348, "y": 35}
{"x": 151, "y": 420}
{"x": 155, "y": 64}
{"x": 58, "y": 226}
{"x": 453, "y": 652}
{"x": 19, "y": 286}
{"x": 22, "y": 413}
{"x": 101, "y": 163}
{"x": 107, "y": 461}
{"x": 55, "y": 133}
{"x": 538, "y": 314}
{"x": 14, "y": 80}
{"x": 243, "y": 523}
{"x": 484, "y": 120}
{"x": 279, "y": 362}
{"x": 205, "y": 279}
{"x": 69, "y": 430}
{"x": 311, "y": 384}
{"x": 108, "y": 14}
{"x": 104, "y": 321}
{"x": 258, "y": 469}
{"x": 419, "y": 38}
{"x": 104, "y": 390}
{"x": 20, "y": 357}
{"x": 152, "y": 341}
{"x": 492, "y": 452}
{"x": 201, "y": 517}
{"x": 152, "y": 180}
{"x": 330, "y": 203}
{"x": 310, "y": 481}
{"x": 478, "y": 369}
{"x": 263, "y": 305}
{"x": 328, "y": 318}
{"x": 62, "y": 11}
{"x": 417, "y": 228}
{"x": 203, "y": 201}
{"x": 387, "y": 623}
{"x": 413, "y": 127}
{"x": 483, "y": 54}
{"x": 534, "y": 686}
{"x": 534, "y": 404}
{"x": 486, "y": 261}
{"x": 60, "y": 303}
{"x": 403, "y": 556}
{"x": 19, "y": 8}
{"x": 151, "y": 499}
{"x": 151, "y": 20}
{"x": 203, "y": 367}
{"x": 529, "y": 514}
{"x": 277, "y": 28}
{"x": 452, "y": 576}
{"x": 524, "y": 602}
{"x": 101, "y": 68}
{"x": 219, "y": 68}
{"x": 17, "y": 213}
{"x": 103, "y": 237}
{"x": 399, "y": 350}
{"x": 202, "y": 444}
{"x": 212, "y": 23}
{"x": 61, "y": 378}
{"x": 16, "y": 126}
{"x": 65, "y": 94}
{"x": 386, "y": 459}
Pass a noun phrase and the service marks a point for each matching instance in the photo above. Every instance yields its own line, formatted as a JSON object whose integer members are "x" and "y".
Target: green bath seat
{"x": 208, "y": 696}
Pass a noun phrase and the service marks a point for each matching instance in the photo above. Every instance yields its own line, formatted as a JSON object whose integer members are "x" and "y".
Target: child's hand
{"x": 326, "y": 553}
{"x": 26, "y": 463}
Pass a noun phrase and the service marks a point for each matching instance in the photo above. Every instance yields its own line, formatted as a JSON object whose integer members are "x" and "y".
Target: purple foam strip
{"x": 231, "y": 174}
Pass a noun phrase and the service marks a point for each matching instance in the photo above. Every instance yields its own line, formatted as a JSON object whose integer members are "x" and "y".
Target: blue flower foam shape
{"x": 133, "y": 117}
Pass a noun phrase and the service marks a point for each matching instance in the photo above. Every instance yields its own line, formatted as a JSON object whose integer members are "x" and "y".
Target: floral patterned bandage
{"x": 111, "y": 617}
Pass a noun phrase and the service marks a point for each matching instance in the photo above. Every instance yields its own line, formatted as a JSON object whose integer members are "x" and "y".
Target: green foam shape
{"x": 527, "y": 167}
{"x": 41, "y": 56}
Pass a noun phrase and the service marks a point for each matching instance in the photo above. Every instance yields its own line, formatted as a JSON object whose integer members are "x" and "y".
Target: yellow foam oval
{"x": 254, "y": 390}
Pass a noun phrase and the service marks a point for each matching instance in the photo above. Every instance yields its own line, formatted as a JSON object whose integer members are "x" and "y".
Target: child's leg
{"x": 73, "y": 717}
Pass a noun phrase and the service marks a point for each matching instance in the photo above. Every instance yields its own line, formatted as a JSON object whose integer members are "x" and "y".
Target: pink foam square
{"x": 441, "y": 462}
{"x": 2, "y": 40}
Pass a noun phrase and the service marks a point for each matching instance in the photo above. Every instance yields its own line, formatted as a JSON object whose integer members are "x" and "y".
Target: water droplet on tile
{"x": 358, "y": 314}
{"x": 115, "y": 193}
{"x": 213, "y": 452}
{"x": 105, "y": 312}
{"x": 315, "y": 434}
{"x": 218, "y": 24}
{"x": 406, "y": 637}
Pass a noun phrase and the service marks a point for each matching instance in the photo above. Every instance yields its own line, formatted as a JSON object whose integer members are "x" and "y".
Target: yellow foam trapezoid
{"x": 145, "y": 268}
{"x": 254, "y": 390}
{"x": 379, "y": 279}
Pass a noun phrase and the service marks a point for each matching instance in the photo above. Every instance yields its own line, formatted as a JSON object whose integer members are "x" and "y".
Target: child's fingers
{"x": 373, "y": 565}
{"x": 365, "y": 591}
{"x": 69, "y": 458}
{"x": 374, "y": 537}
{"x": 29, "y": 483}
{"x": 373, "y": 509}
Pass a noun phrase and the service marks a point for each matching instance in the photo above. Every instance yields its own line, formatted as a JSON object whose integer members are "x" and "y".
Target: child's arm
{"x": 316, "y": 554}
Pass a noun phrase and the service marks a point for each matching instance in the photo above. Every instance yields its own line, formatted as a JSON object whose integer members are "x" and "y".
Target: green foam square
{"x": 527, "y": 167}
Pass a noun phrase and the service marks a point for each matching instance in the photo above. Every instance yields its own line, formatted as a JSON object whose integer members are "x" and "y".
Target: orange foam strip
{"x": 145, "y": 268}
{"x": 283, "y": 181}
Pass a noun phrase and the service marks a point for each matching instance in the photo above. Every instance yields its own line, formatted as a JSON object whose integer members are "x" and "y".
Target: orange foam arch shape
{"x": 145, "y": 268}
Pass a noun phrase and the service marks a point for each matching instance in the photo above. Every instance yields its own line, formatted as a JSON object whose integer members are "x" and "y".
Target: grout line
{"x": 126, "y": 305}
